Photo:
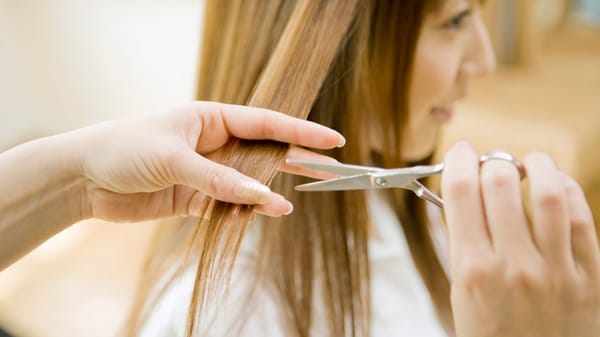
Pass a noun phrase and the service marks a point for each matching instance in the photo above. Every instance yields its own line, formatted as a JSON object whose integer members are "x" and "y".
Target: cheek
{"x": 434, "y": 75}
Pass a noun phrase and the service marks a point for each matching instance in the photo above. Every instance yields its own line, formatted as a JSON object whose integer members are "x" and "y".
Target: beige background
{"x": 67, "y": 63}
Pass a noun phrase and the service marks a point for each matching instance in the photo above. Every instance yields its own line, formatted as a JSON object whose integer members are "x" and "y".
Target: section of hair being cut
{"x": 342, "y": 63}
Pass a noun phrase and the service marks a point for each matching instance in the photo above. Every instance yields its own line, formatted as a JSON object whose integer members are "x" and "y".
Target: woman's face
{"x": 453, "y": 46}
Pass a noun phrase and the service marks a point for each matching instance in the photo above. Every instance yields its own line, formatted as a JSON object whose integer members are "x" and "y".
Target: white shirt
{"x": 401, "y": 305}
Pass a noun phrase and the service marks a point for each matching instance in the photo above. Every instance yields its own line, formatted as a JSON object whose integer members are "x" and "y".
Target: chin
{"x": 416, "y": 157}
{"x": 420, "y": 150}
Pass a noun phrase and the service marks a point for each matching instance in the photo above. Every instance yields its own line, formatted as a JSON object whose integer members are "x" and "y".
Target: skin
{"x": 452, "y": 48}
{"x": 145, "y": 167}
{"x": 513, "y": 274}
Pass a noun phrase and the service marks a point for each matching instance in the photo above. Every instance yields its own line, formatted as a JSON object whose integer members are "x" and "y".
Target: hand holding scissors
{"x": 356, "y": 177}
{"x": 540, "y": 272}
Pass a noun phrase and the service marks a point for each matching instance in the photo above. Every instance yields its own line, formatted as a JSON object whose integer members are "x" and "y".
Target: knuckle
{"x": 265, "y": 125}
{"x": 498, "y": 180}
{"x": 214, "y": 179}
{"x": 550, "y": 198}
{"x": 520, "y": 278}
{"x": 475, "y": 273}
{"x": 566, "y": 286}
{"x": 462, "y": 186}
{"x": 211, "y": 116}
{"x": 218, "y": 118}
{"x": 582, "y": 226}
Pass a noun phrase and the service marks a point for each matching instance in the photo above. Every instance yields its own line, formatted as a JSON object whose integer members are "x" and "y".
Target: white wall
{"x": 68, "y": 63}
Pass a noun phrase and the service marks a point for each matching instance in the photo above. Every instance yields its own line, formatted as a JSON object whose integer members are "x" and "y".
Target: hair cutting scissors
{"x": 356, "y": 177}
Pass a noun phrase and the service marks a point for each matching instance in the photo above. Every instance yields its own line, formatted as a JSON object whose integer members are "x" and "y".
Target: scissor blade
{"x": 400, "y": 177}
{"x": 355, "y": 182}
{"x": 336, "y": 168}
{"x": 380, "y": 178}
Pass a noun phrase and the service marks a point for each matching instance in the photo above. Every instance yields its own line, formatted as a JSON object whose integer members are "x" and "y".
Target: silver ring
{"x": 503, "y": 155}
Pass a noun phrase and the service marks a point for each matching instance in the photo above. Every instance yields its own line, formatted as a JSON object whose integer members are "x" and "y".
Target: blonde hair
{"x": 347, "y": 63}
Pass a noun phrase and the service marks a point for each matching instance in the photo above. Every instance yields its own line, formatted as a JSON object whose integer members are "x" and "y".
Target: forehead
{"x": 438, "y": 5}
{"x": 442, "y": 7}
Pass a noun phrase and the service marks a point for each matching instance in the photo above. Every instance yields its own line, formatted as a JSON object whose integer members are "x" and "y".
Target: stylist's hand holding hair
{"x": 152, "y": 166}
{"x": 139, "y": 168}
{"x": 512, "y": 276}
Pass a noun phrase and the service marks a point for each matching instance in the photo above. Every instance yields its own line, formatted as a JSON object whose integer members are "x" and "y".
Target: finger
{"x": 275, "y": 207}
{"x": 463, "y": 208}
{"x": 302, "y": 154}
{"x": 507, "y": 223}
{"x": 187, "y": 201}
{"x": 584, "y": 238}
{"x": 255, "y": 123}
{"x": 549, "y": 209}
{"x": 218, "y": 181}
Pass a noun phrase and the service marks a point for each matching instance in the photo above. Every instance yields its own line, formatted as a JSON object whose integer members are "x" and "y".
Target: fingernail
{"x": 341, "y": 140}
{"x": 253, "y": 192}
{"x": 290, "y": 208}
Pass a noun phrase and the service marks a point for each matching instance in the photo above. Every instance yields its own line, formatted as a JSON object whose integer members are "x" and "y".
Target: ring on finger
{"x": 503, "y": 155}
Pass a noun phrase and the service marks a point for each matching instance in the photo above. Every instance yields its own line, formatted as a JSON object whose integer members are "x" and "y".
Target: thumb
{"x": 219, "y": 181}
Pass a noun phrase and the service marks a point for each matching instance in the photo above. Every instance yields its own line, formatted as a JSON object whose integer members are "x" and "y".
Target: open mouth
{"x": 442, "y": 114}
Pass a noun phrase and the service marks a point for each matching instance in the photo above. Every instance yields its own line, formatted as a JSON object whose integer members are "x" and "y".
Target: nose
{"x": 479, "y": 59}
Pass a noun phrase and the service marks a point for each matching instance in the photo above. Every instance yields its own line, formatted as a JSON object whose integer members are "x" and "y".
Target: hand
{"x": 158, "y": 165}
{"x": 512, "y": 276}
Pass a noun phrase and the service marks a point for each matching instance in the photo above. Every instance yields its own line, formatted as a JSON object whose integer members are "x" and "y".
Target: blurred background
{"x": 68, "y": 63}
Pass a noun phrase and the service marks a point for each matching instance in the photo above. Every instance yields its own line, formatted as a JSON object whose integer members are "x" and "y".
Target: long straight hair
{"x": 342, "y": 63}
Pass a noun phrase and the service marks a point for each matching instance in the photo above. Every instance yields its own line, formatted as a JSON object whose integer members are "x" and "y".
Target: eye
{"x": 457, "y": 21}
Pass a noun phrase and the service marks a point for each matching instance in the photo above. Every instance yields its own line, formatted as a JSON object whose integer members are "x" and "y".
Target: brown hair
{"x": 348, "y": 63}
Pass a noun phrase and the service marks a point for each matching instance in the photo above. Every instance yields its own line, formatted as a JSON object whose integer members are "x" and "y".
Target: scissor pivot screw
{"x": 380, "y": 182}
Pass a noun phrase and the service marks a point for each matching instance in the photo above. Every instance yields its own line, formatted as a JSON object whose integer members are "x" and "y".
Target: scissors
{"x": 357, "y": 177}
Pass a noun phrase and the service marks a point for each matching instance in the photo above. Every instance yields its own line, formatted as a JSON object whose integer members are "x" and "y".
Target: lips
{"x": 442, "y": 114}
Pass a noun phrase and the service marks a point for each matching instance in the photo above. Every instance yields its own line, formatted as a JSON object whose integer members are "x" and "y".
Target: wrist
{"x": 45, "y": 193}
{"x": 69, "y": 147}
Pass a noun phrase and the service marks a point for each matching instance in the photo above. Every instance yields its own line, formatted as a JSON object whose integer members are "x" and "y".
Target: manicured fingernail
{"x": 253, "y": 192}
{"x": 290, "y": 208}
{"x": 341, "y": 140}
